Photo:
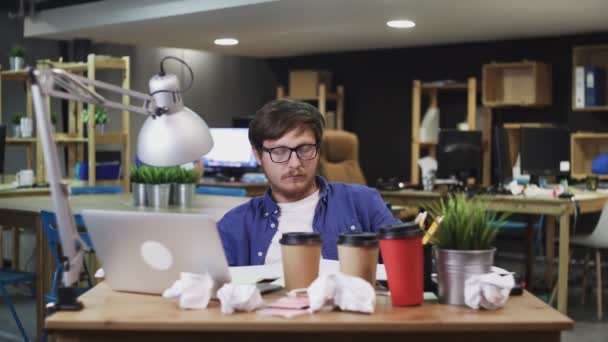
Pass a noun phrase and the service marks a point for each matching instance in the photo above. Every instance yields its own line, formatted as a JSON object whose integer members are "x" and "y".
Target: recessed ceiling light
{"x": 226, "y": 41}
{"x": 400, "y": 24}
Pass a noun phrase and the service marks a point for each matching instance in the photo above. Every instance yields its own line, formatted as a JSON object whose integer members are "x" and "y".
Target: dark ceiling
{"x": 13, "y": 5}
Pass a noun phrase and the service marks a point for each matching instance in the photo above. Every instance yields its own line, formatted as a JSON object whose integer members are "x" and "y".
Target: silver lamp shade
{"x": 173, "y": 139}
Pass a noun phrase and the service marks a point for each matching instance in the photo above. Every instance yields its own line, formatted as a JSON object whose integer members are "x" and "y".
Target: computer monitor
{"x": 503, "y": 170}
{"x": 543, "y": 149}
{"x": 459, "y": 155}
{"x": 231, "y": 154}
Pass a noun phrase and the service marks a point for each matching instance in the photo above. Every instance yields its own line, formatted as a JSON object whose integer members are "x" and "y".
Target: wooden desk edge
{"x": 64, "y": 321}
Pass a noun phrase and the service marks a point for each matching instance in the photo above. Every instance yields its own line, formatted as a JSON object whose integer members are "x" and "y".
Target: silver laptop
{"x": 146, "y": 251}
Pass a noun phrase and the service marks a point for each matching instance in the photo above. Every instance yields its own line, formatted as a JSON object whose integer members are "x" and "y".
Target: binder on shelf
{"x": 579, "y": 84}
{"x": 595, "y": 86}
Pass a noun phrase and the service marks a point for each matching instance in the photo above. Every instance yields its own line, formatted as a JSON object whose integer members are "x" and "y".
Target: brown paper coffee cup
{"x": 358, "y": 254}
{"x": 301, "y": 253}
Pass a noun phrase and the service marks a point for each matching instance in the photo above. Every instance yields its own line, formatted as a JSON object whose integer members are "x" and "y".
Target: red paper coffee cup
{"x": 401, "y": 248}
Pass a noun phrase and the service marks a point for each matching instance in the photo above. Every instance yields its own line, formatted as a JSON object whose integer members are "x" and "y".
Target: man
{"x": 286, "y": 136}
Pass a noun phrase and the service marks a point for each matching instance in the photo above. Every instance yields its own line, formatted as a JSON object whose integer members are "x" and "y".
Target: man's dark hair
{"x": 278, "y": 117}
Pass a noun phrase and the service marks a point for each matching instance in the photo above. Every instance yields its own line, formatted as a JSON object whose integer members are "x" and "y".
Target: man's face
{"x": 293, "y": 179}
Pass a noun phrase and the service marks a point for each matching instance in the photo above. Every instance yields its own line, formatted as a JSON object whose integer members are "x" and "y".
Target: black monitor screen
{"x": 459, "y": 154}
{"x": 503, "y": 170}
{"x": 543, "y": 149}
{"x": 231, "y": 149}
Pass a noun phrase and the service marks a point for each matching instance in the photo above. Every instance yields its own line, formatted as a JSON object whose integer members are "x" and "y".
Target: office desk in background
{"x": 6, "y": 191}
{"x": 552, "y": 207}
{"x": 253, "y": 189}
{"x": 25, "y": 212}
{"x": 118, "y": 316}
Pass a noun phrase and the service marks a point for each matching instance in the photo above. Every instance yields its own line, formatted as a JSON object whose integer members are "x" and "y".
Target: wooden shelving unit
{"x": 432, "y": 90}
{"x": 315, "y": 91}
{"x": 321, "y": 102}
{"x": 28, "y": 143}
{"x": 526, "y": 83}
{"x": 584, "y": 147}
{"x": 589, "y": 55}
{"x": 75, "y": 139}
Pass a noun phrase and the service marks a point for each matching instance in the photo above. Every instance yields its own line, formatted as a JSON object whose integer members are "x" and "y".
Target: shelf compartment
{"x": 525, "y": 83}
{"x": 584, "y": 147}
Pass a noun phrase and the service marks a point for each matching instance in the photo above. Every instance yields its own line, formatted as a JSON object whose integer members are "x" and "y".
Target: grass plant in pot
{"x": 184, "y": 186}
{"x": 16, "y": 123}
{"x": 54, "y": 118}
{"x": 158, "y": 185}
{"x": 463, "y": 244}
{"x": 138, "y": 187}
{"x": 101, "y": 118}
{"x": 16, "y": 57}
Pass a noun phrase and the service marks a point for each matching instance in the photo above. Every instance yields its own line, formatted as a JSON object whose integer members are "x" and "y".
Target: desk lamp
{"x": 171, "y": 135}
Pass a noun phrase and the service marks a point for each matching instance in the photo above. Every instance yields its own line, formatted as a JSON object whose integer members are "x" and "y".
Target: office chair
{"x": 223, "y": 191}
{"x": 9, "y": 277}
{"x": 49, "y": 226}
{"x": 339, "y": 159}
{"x": 597, "y": 240}
{"x": 538, "y": 228}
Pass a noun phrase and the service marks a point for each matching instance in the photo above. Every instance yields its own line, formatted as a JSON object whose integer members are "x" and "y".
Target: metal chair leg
{"x": 584, "y": 280}
{"x": 598, "y": 271}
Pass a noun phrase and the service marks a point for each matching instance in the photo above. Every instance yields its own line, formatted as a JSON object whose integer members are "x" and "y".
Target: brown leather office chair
{"x": 339, "y": 160}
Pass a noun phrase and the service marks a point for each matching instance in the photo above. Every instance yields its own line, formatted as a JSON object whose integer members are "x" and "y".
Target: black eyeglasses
{"x": 282, "y": 154}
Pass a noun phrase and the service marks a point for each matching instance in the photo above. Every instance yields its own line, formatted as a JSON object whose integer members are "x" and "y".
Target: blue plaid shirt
{"x": 248, "y": 229}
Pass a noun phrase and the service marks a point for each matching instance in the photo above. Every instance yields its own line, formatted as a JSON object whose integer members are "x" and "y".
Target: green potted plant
{"x": 138, "y": 187}
{"x": 184, "y": 185}
{"x": 101, "y": 118}
{"x": 158, "y": 185}
{"x": 54, "y": 117}
{"x": 463, "y": 245}
{"x": 16, "y": 122}
{"x": 16, "y": 57}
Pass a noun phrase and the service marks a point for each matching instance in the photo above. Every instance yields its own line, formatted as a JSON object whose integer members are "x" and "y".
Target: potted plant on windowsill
{"x": 16, "y": 57}
{"x": 158, "y": 185}
{"x": 101, "y": 118}
{"x": 463, "y": 244}
{"x": 183, "y": 187}
{"x": 16, "y": 122}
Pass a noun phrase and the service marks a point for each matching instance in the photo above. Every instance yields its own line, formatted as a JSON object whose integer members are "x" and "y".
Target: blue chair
{"x": 98, "y": 189}
{"x": 538, "y": 228}
{"x": 218, "y": 190}
{"x": 49, "y": 226}
{"x": 9, "y": 277}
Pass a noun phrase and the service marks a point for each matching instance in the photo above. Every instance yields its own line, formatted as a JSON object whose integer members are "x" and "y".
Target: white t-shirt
{"x": 295, "y": 217}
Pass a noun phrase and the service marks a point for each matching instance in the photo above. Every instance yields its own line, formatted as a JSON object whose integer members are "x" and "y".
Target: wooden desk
{"x": 115, "y": 316}
{"x": 253, "y": 189}
{"x": 25, "y": 212}
{"x": 561, "y": 208}
{"x": 21, "y": 192}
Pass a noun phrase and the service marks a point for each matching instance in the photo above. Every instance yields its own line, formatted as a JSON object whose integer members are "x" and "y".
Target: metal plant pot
{"x": 16, "y": 131}
{"x": 182, "y": 194}
{"x": 454, "y": 267}
{"x": 16, "y": 63}
{"x": 158, "y": 195}
{"x": 139, "y": 194}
